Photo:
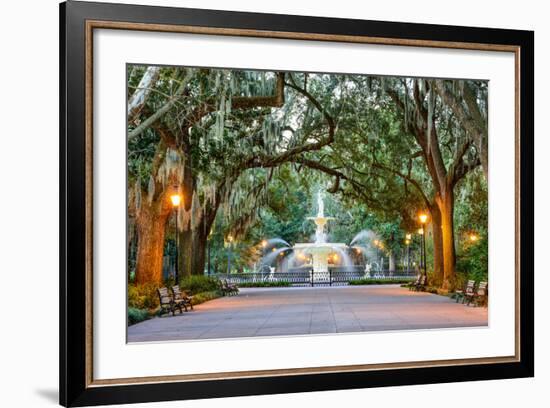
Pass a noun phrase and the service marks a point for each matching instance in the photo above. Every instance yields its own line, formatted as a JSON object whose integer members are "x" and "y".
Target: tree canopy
{"x": 248, "y": 150}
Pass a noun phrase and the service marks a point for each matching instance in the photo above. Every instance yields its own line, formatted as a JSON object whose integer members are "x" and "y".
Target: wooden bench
{"x": 413, "y": 284}
{"x": 421, "y": 285}
{"x": 469, "y": 289}
{"x": 166, "y": 301}
{"x": 479, "y": 295}
{"x": 181, "y": 299}
{"x": 228, "y": 288}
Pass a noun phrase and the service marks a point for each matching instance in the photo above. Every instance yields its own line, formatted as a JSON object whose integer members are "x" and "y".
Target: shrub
{"x": 199, "y": 283}
{"x": 263, "y": 284}
{"x": 137, "y": 315}
{"x": 473, "y": 262}
{"x": 357, "y": 282}
{"x": 433, "y": 280}
{"x": 143, "y": 296}
{"x": 206, "y": 296}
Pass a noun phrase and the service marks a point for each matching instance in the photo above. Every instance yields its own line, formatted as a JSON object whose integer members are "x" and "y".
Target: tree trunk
{"x": 437, "y": 237}
{"x": 185, "y": 253}
{"x": 446, "y": 207}
{"x": 391, "y": 263}
{"x": 199, "y": 252}
{"x": 193, "y": 243}
{"x": 185, "y": 239}
{"x": 142, "y": 92}
{"x": 151, "y": 225}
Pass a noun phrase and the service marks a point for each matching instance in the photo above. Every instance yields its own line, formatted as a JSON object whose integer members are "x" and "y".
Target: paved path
{"x": 291, "y": 311}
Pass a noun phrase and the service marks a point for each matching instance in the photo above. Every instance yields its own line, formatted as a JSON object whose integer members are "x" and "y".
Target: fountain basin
{"x": 319, "y": 253}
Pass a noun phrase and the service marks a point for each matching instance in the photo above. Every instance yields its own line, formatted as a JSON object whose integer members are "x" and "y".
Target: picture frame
{"x": 78, "y": 20}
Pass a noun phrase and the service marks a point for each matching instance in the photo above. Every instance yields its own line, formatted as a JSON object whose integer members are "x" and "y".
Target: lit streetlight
{"x": 229, "y": 244}
{"x": 209, "y": 243}
{"x": 176, "y": 201}
{"x": 408, "y": 243}
{"x": 379, "y": 257}
{"x": 423, "y": 218}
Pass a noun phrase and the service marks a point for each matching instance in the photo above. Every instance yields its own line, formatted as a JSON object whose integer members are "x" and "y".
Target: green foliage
{"x": 143, "y": 296}
{"x": 137, "y": 315}
{"x": 368, "y": 281}
{"x": 471, "y": 218}
{"x": 206, "y": 296}
{"x": 264, "y": 284}
{"x": 195, "y": 284}
{"x": 474, "y": 260}
{"x": 383, "y": 178}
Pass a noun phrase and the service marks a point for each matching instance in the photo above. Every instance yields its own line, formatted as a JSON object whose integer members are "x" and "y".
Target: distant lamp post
{"x": 176, "y": 201}
{"x": 423, "y": 218}
{"x": 264, "y": 247}
{"x": 379, "y": 246}
{"x": 473, "y": 237}
{"x": 209, "y": 245}
{"x": 408, "y": 238}
{"x": 229, "y": 244}
{"x": 358, "y": 257}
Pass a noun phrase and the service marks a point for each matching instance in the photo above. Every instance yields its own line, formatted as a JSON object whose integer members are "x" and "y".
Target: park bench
{"x": 477, "y": 296}
{"x": 469, "y": 289}
{"x": 413, "y": 284}
{"x": 166, "y": 301}
{"x": 421, "y": 285}
{"x": 228, "y": 288}
{"x": 181, "y": 299}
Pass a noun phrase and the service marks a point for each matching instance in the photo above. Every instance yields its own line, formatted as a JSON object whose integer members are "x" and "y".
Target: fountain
{"x": 320, "y": 251}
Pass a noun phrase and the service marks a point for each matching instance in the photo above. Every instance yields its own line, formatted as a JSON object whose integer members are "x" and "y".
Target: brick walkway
{"x": 292, "y": 311}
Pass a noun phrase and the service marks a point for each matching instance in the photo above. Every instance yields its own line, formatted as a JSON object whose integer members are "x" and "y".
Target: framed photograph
{"x": 257, "y": 204}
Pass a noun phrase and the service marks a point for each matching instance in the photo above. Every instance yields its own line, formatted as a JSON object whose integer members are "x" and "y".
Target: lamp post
{"x": 264, "y": 253}
{"x": 209, "y": 243}
{"x": 229, "y": 243}
{"x": 176, "y": 200}
{"x": 381, "y": 247}
{"x": 376, "y": 244}
{"x": 423, "y": 219}
{"x": 408, "y": 238}
{"x": 264, "y": 246}
{"x": 421, "y": 260}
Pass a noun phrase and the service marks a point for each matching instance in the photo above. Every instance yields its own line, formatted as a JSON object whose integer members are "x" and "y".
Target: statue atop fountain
{"x": 320, "y": 220}
{"x": 320, "y": 250}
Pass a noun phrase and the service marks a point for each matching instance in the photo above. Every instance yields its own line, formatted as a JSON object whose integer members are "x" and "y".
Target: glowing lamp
{"x": 176, "y": 200}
